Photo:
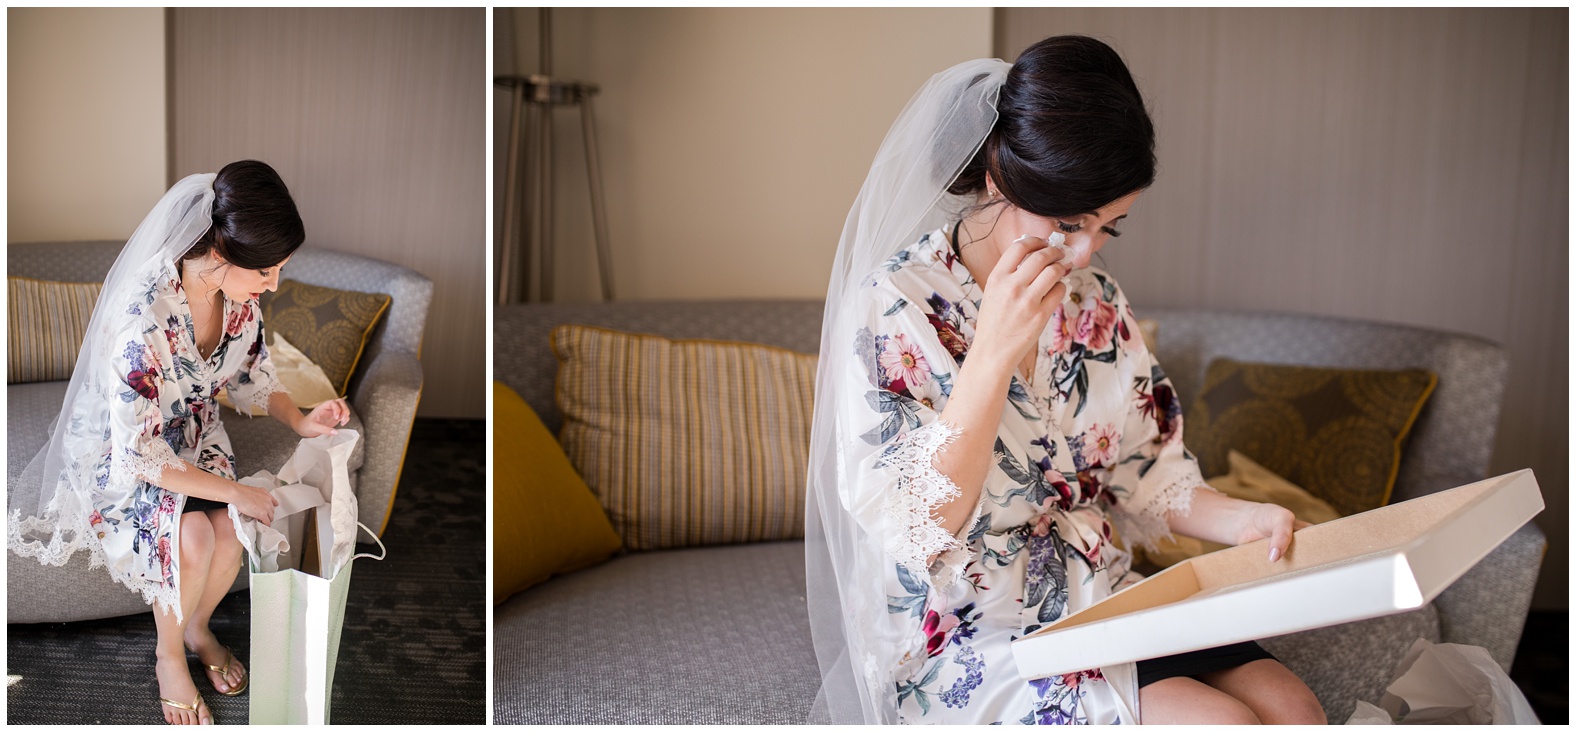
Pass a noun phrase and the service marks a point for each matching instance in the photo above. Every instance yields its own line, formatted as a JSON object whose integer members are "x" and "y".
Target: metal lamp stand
{"x": 534, "y": 97}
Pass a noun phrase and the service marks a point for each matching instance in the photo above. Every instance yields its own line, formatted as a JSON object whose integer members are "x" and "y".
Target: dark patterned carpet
{"x": 1543, "y": 666}
{"x": 413, "y": 649}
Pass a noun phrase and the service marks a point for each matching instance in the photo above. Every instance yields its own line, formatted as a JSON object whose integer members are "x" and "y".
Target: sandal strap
{"x": 192, "y": 707}
{"x": 229, "y": 658}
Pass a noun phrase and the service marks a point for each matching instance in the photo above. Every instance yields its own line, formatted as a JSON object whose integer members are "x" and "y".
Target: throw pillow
{"x": 1336, "y": 432}
{"x": 687, "y": 442}
{"x": 46, "y": 322}
{"x": 330, "y": 326}
{"x": 545, "y": 520}
{"x": 1248, "y": 481}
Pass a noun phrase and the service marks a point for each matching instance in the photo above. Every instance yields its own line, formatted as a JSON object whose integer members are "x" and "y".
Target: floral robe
{"x": 1094, "y": 436}
{"x": 160, "y": 396}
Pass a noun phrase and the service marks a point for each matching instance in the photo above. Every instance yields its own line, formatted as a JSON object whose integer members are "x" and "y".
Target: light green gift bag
{"x": 296, "y": 622}
{"x": 297, "y": 615}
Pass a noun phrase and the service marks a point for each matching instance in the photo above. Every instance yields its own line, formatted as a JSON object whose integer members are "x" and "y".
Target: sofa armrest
{"x": 386, "y": 398}
{"x": 1488, "y": 606}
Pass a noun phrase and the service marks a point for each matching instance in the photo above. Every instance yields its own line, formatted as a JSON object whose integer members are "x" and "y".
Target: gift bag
{"x": 300, "y": 576}
{"x": 1448, "y": 683}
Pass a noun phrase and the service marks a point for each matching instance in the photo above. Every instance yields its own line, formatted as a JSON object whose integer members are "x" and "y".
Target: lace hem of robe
{"x": 920, "y": 489}
{"x": 72, "y": 535}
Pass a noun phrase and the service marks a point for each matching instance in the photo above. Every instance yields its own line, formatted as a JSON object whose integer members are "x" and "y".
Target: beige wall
{"x": 733, "y": 141}
{"x": 1398, "y": 165}
{"x": 376, "y": 120}
{"x": 70, "y": 173}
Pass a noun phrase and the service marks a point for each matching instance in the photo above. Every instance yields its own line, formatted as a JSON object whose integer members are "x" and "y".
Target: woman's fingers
{"x": 1054, "y": 297}
{"x": 1045, "y": 281}
{"x": 1280, "y": 538}
{"x": 1014, "y": 256}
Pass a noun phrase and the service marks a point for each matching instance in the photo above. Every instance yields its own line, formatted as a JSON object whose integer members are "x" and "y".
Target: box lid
{"x": 1380, "y": 562}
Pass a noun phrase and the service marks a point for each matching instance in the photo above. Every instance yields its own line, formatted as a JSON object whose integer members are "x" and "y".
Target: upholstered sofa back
{"x": 1450, "y": 444}
{"x": 399, "y": 330}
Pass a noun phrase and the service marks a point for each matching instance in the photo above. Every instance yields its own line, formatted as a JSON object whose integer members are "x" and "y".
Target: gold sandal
{"x": 246, "y": 677}
{"x": 195, "y": 707}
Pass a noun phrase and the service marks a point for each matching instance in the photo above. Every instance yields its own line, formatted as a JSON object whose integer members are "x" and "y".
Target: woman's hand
{"x": 324, "y": 418}
{"x": 1267, "y": 520}
{"x": 1217, "y": 517}
{"x": 1023, "y": 290}
{"x": 255, "y": 502}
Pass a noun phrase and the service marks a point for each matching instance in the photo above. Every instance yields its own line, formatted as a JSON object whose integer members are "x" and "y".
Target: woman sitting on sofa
{"x": 139, "y": 471}
{"x": 986, "y": 410}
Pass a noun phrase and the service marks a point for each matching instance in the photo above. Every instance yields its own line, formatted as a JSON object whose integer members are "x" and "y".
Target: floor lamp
{"x": 532, "y": 100}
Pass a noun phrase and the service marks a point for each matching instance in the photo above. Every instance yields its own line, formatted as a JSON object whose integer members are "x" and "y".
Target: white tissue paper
{"x": 1448, "y": 683}
{"x": 316, "y": 475}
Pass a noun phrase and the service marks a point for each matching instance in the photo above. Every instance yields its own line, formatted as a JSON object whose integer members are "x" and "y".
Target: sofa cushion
{"x": 687, "y": 442}
{"x": 46, "y": 322}
{"x": 545, "y": 519}
{"x": 714, "y": 635}
{"x": 329, "y": 325}
{"x": 1336, "y": 432}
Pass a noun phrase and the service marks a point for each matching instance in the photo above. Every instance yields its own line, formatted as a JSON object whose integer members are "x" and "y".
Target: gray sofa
{"x": 720, "y": 634}
{"x": 383, "y": 396}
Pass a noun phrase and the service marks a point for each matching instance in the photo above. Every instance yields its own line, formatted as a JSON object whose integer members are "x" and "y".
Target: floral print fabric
{"x": 160, "y": 394}
{"x": 1092, "y": 438}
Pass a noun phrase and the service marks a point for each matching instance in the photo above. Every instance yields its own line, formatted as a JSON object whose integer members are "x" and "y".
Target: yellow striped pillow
{"x": 687, "y": 442}
{"x": 46, "y": 322}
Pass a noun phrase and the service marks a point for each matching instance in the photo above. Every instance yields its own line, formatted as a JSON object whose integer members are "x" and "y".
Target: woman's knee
{"x": 1271, "y": 690}
{"x": 1295, "y": 707}
{"x": 1182, "y": 700}
{"x": 226, "y": 545}
{"x": 197, "y": 541}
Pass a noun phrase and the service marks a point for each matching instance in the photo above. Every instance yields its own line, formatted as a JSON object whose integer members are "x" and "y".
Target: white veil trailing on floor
{"x": 49, "y": 510}
{"x": 904, "y": 195}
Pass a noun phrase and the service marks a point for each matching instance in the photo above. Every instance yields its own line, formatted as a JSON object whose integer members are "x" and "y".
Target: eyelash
{"x": 264, "y": 272}
{"x": 1075, "y": 228}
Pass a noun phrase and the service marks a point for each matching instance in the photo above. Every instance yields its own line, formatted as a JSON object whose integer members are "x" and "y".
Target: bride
{"x": 986, "y": 414}
{"x": 138, "y": 470}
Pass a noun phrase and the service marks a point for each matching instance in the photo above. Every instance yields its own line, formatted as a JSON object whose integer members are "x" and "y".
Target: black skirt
{"x": 202, "y": 504}
{"x": 1196, "y": 663}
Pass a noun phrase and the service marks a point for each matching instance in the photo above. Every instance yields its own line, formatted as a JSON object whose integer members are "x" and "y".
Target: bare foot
{"x": 175, "y": 684}
{"x": 210, "y": 653}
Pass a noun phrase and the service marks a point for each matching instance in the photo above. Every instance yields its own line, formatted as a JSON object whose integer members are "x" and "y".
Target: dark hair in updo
{"x": 1071, "y": 134}
{"x": 255, "y": 222}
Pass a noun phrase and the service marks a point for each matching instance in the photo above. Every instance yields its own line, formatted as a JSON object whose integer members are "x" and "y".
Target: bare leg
{"x": 175, "y": 681}
{"x": 1272, "y": 691}
{"x": 222, "y": 569}
{"x": 1181, "y": 700}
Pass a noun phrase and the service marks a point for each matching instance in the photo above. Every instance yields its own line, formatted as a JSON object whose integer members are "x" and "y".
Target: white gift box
{"x": 1380, "y": 562}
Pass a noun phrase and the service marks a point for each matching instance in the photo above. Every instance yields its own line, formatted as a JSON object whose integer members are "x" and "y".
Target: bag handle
{"x": 375, "y": 538}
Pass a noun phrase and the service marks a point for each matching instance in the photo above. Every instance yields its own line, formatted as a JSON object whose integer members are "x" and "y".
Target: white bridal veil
{"x": 904, "y": 195}
{"x": 49, "y": 510}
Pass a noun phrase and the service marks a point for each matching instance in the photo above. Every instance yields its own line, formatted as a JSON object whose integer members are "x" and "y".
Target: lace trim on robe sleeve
{"x": 149, "y": 463}
{"x": 256, "y": 394}
{"x": 919, "y": 490}
{"x": 1147, "y": 524}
